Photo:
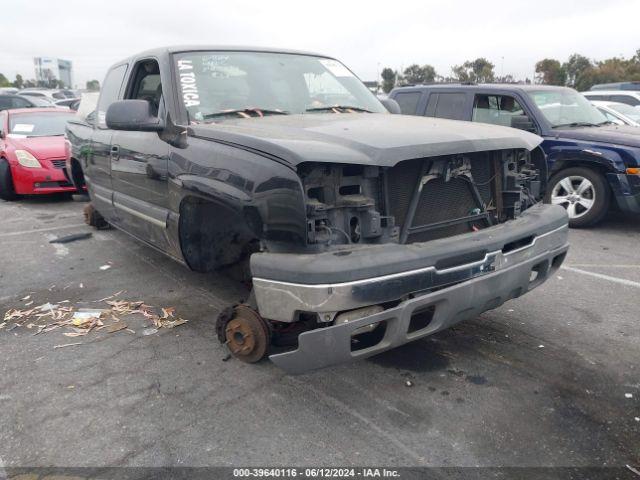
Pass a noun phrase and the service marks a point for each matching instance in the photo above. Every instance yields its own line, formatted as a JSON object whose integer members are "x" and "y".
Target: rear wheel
{"x": 7, "y": 192}
{"x": 583, "y": 192}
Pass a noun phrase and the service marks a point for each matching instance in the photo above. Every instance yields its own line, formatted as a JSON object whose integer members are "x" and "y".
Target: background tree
{"x": 4, "y": 81}
{"x": 575, "y": 67}
{"x": 18, "y": 82}
{"x": 416, "y": 74}
{"x": 479, "y": 70}
{"x": 506, "y": 79}
{"x": 550, "y": 72}
{"x": 388, "y": 80}
{"x": 94, "y": 85}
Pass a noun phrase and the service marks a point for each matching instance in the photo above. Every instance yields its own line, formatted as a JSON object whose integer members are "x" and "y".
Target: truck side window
{"x": 146, "y": 84}
{"x": 408, "y": 102}
{"x": 110, "y": 91}
{"x": 497, "y": 110}
{"x": 446, "y": 105}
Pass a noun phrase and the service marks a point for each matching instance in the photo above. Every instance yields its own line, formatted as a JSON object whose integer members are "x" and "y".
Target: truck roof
{"x": 160, "y": 51}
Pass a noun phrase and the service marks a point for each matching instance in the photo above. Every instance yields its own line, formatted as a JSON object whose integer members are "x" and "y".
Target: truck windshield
{"x": 567, "y": 108}
{"x": 256, "y": 84}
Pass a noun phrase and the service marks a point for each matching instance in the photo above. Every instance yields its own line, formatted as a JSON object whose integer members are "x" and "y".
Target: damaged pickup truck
{"x": 360, "y": 230}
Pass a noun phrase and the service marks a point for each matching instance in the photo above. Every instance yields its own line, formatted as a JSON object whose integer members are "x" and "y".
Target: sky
{"x": 366, "y": 36}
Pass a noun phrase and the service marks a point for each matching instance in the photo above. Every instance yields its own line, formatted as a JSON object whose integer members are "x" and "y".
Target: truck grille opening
{"x": 446, "y": 206}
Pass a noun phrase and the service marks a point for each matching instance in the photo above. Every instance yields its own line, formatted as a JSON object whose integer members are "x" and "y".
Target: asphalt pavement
{"x": 549, "y": 379}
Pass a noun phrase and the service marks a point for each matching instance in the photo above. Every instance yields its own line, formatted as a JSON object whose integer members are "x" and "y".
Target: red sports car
{"x": 32, "y": 152}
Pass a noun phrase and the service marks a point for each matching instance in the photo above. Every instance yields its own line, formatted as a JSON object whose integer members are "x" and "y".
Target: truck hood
{"x": 361, "y": 138}
{"x": 43, "y": 148}
{"x": 616, "y": 134}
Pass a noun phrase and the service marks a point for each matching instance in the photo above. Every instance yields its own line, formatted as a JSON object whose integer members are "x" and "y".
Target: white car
{"x": 620, "y": 113}
{"x": 630, "y": 97}
{"x": 52, "y": 95}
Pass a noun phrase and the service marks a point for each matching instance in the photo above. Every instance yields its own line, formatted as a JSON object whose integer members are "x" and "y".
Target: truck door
{"x": 139, "y": 164}
{"x": 98, "y": 160}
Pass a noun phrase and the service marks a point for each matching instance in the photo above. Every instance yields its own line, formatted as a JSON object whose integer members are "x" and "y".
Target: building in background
{"x": 53, "y": 69}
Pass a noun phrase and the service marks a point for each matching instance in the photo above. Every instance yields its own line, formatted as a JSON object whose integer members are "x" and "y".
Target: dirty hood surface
{"x": 361, "y": 138}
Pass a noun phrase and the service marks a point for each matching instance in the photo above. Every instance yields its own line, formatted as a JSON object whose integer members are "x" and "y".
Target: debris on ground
{"x": 408, "y": 383}
{"x": 72, "y": 238}
{"x": 628, "y": 395}
{"x": 79, "y": 322}
{"x": 105, "y": 267}
{"x": 67, "y": 345}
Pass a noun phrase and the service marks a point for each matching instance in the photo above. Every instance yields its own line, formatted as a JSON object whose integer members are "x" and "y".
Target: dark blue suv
{"x": 591, "y": 161}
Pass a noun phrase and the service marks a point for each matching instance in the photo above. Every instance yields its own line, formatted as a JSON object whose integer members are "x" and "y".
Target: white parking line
{"x": 621, "y": 281}
{"x": 37, "y": 230}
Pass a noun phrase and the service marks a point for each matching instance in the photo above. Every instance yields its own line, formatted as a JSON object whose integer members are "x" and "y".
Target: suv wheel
{"x": 583, "y": 192}
{"x": 7, "y": 191}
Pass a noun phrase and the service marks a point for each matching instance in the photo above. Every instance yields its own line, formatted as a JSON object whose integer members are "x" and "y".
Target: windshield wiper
{"x": 246, "y": 112}
{"x": 577, "y": 124}
{"x": 337, "y": 108}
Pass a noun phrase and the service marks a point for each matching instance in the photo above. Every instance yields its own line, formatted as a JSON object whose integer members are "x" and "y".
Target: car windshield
{"x": 566, "y": 108}
{"x": 39, "y": 101}
{"x": 219, "y": 85}
{"x": 39, "y": 124}
{"x": 627, "y": 110}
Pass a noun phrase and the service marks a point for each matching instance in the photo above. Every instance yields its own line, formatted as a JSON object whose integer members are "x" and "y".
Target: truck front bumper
{"x": 452, "y": 279}
{"x": 626, "y": 191}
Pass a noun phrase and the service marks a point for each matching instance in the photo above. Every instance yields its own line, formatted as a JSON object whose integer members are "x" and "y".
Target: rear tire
{"x": 7, "y": 192}
{"x": 583, "y": 192}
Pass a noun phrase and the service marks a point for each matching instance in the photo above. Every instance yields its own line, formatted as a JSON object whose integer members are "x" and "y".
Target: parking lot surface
{"x": 549, "y": 379}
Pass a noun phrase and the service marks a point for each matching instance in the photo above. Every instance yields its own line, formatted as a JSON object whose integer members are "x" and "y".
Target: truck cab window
{"x": 498, "y": 110}
{"x": 146, "y": 84}
{"x": 110, "y": 91}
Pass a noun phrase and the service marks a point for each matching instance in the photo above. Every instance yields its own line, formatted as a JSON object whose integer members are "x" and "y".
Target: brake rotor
{"x": 246, "y": 334}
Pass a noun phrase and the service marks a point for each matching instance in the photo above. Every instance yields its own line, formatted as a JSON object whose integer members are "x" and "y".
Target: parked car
{"x": 8, "y": 91}
{"x": 32, "y": 152}
{"x": 70, "y": 103}
{"x": 617, "y": 86}
{"x": 619, "y": 113}
{"x": 364, "y": 230}
{"x": 591, "y": 161}
{"x": 51, "y": 94}
{"x": 631, "y": 98}
{"x": 42, "y": 102}
{"x": 16, "y": 101}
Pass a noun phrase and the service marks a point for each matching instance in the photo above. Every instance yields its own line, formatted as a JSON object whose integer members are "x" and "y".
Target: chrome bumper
{"x": 281, "y": 301}
{"x": 324, "y": 347}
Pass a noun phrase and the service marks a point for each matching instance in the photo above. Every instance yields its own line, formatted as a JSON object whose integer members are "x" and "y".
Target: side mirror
{"x": 523, "y": 122}
{"x": 132, "y": 115}
{"x": 391, "y": 105}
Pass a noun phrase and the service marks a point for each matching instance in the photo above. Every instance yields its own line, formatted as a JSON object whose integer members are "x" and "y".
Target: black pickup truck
{"x": 361, "y": 230}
